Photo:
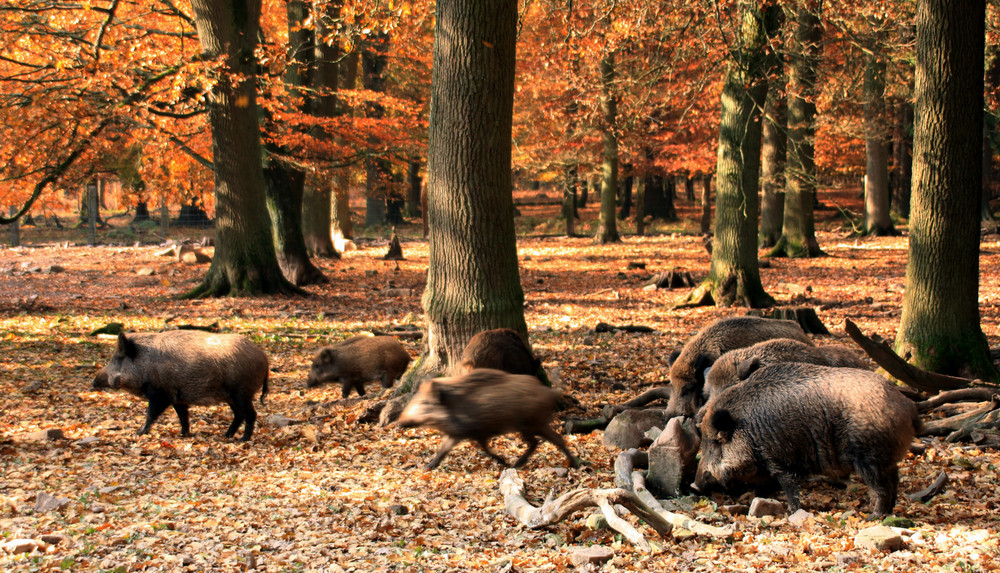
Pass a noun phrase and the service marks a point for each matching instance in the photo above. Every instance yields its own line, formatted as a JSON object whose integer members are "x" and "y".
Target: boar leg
{"x": 882, "y": 482}
{"x": 242, "y": 412}
{"x": 157, "y": 405}
{"x": 790, "y": 485}
{"x": 185, "y": 420}
{"x": 557, "y": 440}
{"x": 446, "y": 446}
{"x": 387, "y": 379}
{"x": 532, "y": 442}
{"x": 485, "y": 445}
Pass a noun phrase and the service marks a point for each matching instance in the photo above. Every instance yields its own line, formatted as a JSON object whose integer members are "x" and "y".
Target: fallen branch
{"x": 978, "y": 394}
{"x": 964, "y": 423}
{"x": 678, "y": 520}
{"x": 884, "y": 356}
{"x": 555, "y": 510}
{"x": 587, "y": 425}
{"x": 930, "y": 491}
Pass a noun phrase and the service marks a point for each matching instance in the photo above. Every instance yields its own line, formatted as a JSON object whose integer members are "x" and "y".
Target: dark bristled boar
{"x": 687, "y": 373}
{"x": 484, "y": 403}
{"x": 736, "y": 365}
{"x": 500, "y": 349}
{"x": 357, "y": 360}
{"x": 790, "y": 421}
{"x": 183, "y": 368}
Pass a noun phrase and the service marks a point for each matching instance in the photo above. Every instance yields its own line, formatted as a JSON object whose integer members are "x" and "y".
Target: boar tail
{"x": 263, "y": 391}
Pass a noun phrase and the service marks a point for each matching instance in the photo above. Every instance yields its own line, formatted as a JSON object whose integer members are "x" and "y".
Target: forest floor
{"x": 322, "y": 495}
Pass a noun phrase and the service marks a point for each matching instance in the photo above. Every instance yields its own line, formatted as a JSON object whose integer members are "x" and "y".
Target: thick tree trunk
{"x": 706, "y": 204}
{"x": 607, "y": 227}
{"x": 877, "y": 219}
{"x": 798, "y": 233}
{"x": 734, "y": 275}
{"x": 570, "y": 184}
{"x": 472, "y": 276}
{"x": 772, "y": 164}
{"x": 245, "y": 262}
{"x": 377, "y": 170}
{"x": 939, "y": 327}
{"x": 640, "y": 206}
{"x": 626, "y": 207}
{"x": 283, "y": 189}
{"x": 414, "y": 183}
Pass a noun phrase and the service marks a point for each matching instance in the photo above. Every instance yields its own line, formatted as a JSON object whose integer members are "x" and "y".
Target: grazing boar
{"x": 183, "y": 368}
{"x": 357, "y": 360}
{"x": 790, "y": 421}
{"x": 500, "y": 349}
{"x": 484, "y": 403}
{"x": 687, "y": 372}
{"x": 736, "y": 365}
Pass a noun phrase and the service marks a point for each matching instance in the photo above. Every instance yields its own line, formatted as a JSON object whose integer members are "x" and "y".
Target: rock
{"x": 736, "y": 509}
{"x": 762, "y": 506}
{"x": 33, "y": 387}
{"x": 597, "y": 521}
{"x": 45, "y": 502}
{"x": 190, "y": 255}
{"x": 801, "y": 518}
{"x": 627, "y": 430}
{"x": 53, "y": 269}
{"x": 16, "y": 546}
{"x": 593, "y": 555}
{"x": 845, "y": 559}
{"x": 146, "y": 272}
{"x": 879, "y": 537}
{"x": 673, "y": 458}
{"x": 279, "y": 421}
{"x": 45, "y": 436}
{"x": 398, "y": 509}
{"x": 55, "y": 539}
{"x": 87, "y": 441}
{"x": 893, "y": 521}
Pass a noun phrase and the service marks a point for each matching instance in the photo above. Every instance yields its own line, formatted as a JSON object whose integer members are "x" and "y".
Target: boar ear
{"x": 724, "y": 423}
{"x": 701, "y": 365}
{"x": 673, "y": 357}
{"x": 126, "y": 346}
{"x": 747, "y": 367}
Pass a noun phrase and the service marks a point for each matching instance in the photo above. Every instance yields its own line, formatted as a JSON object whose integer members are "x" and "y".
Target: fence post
{"x": 15, "y": 230}
{"x": 92, "y": 213}
{"x": 164, "y": 217}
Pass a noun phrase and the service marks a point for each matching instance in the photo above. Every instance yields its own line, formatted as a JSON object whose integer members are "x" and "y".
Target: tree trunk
{"x": 607, "y": 227}
{"x": 377, "y": 171}
{"x": 472, "y": 275}
{"x": 939, "y": 327}
{"x": 734, "y": 275}
{"x": 877, "y": 220}
{"x": 640, "y": 206}
{"x": 414, "y": 184}
{"x": 570, "y": 183}
{"x": 689, "y": 189}
{"x": 283, "y": 189}
{"x": 342, "y": 223}
{"x": 706, "y": 204}
{"x": 772, "y": 163}
{"x": 902, "y": 158}
{"x": 626, "y": 206}
{"x": 798, "y": 233}
{"x": 245, "y": 262}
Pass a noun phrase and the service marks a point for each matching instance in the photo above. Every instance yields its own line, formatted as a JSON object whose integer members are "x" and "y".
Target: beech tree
{"x": 940, "y": 324}
{"x": 473, "y": 282}
{"x": 734, "y": 276}
{"x": 245, "y": 262}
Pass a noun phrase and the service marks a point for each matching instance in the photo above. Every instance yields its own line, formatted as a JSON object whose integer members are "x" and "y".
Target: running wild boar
{"x": 500, "y": 349}
{"x": 687, "y": 373}
{"x": 736, "y": 365}
{"x": 357, "y": 360}
{"x": 790, "y": 421}
{"x": 484, "y": 403}
{"x": 183, "y": 368}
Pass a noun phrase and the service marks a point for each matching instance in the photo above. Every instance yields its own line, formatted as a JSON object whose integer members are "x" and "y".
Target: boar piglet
{"x": 736, "y": 365}
{"x": 687, "y": 371}
{"x": 183, "y": 368}
{"x": 792, "y": 421}
{"x": 357, "y": 360}
{"x": 484, "y": 403}
{"x": 500, "y": 349}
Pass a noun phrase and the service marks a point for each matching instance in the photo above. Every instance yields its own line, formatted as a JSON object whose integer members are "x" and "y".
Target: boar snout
{"x": 100, "y": 380}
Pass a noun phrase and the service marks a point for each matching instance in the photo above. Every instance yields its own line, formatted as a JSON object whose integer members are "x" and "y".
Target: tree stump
{"x": 395, "y": 252}
{"x": 672, "y": 279}
{"x": 806, "y": 317}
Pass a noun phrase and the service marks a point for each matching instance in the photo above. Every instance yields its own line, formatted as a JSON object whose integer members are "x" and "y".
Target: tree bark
{"x": 570, "y": 183}
{"x": 734, "y": 276}
{"x": 939, "y": 327}
{"x": 321, "y": 59}
{"x": 283, "y": 190}
{"x": 902, "y": 158}
{"x": 414, "y": 183}
{"x": 607, "y": 227}
{"x": 798, "y": 233}
{"x": 377, "y": 172}
{"x": 877, "y": 219}
{"x": 473, "y": 282}
{"x": 772, "y": 162}
{"x": 245, "y": 262}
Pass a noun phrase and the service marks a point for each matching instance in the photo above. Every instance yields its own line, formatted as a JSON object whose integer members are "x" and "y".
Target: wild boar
{"x": 357, "y": 360}
{"x": 790, "y": 421}
{"x": 736, "y": 365}
{"x": 484, "y": 403}
{"x": 183, "y": 368}
{"x": 500, "y": 349}
{"x": 687, "y": 372}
